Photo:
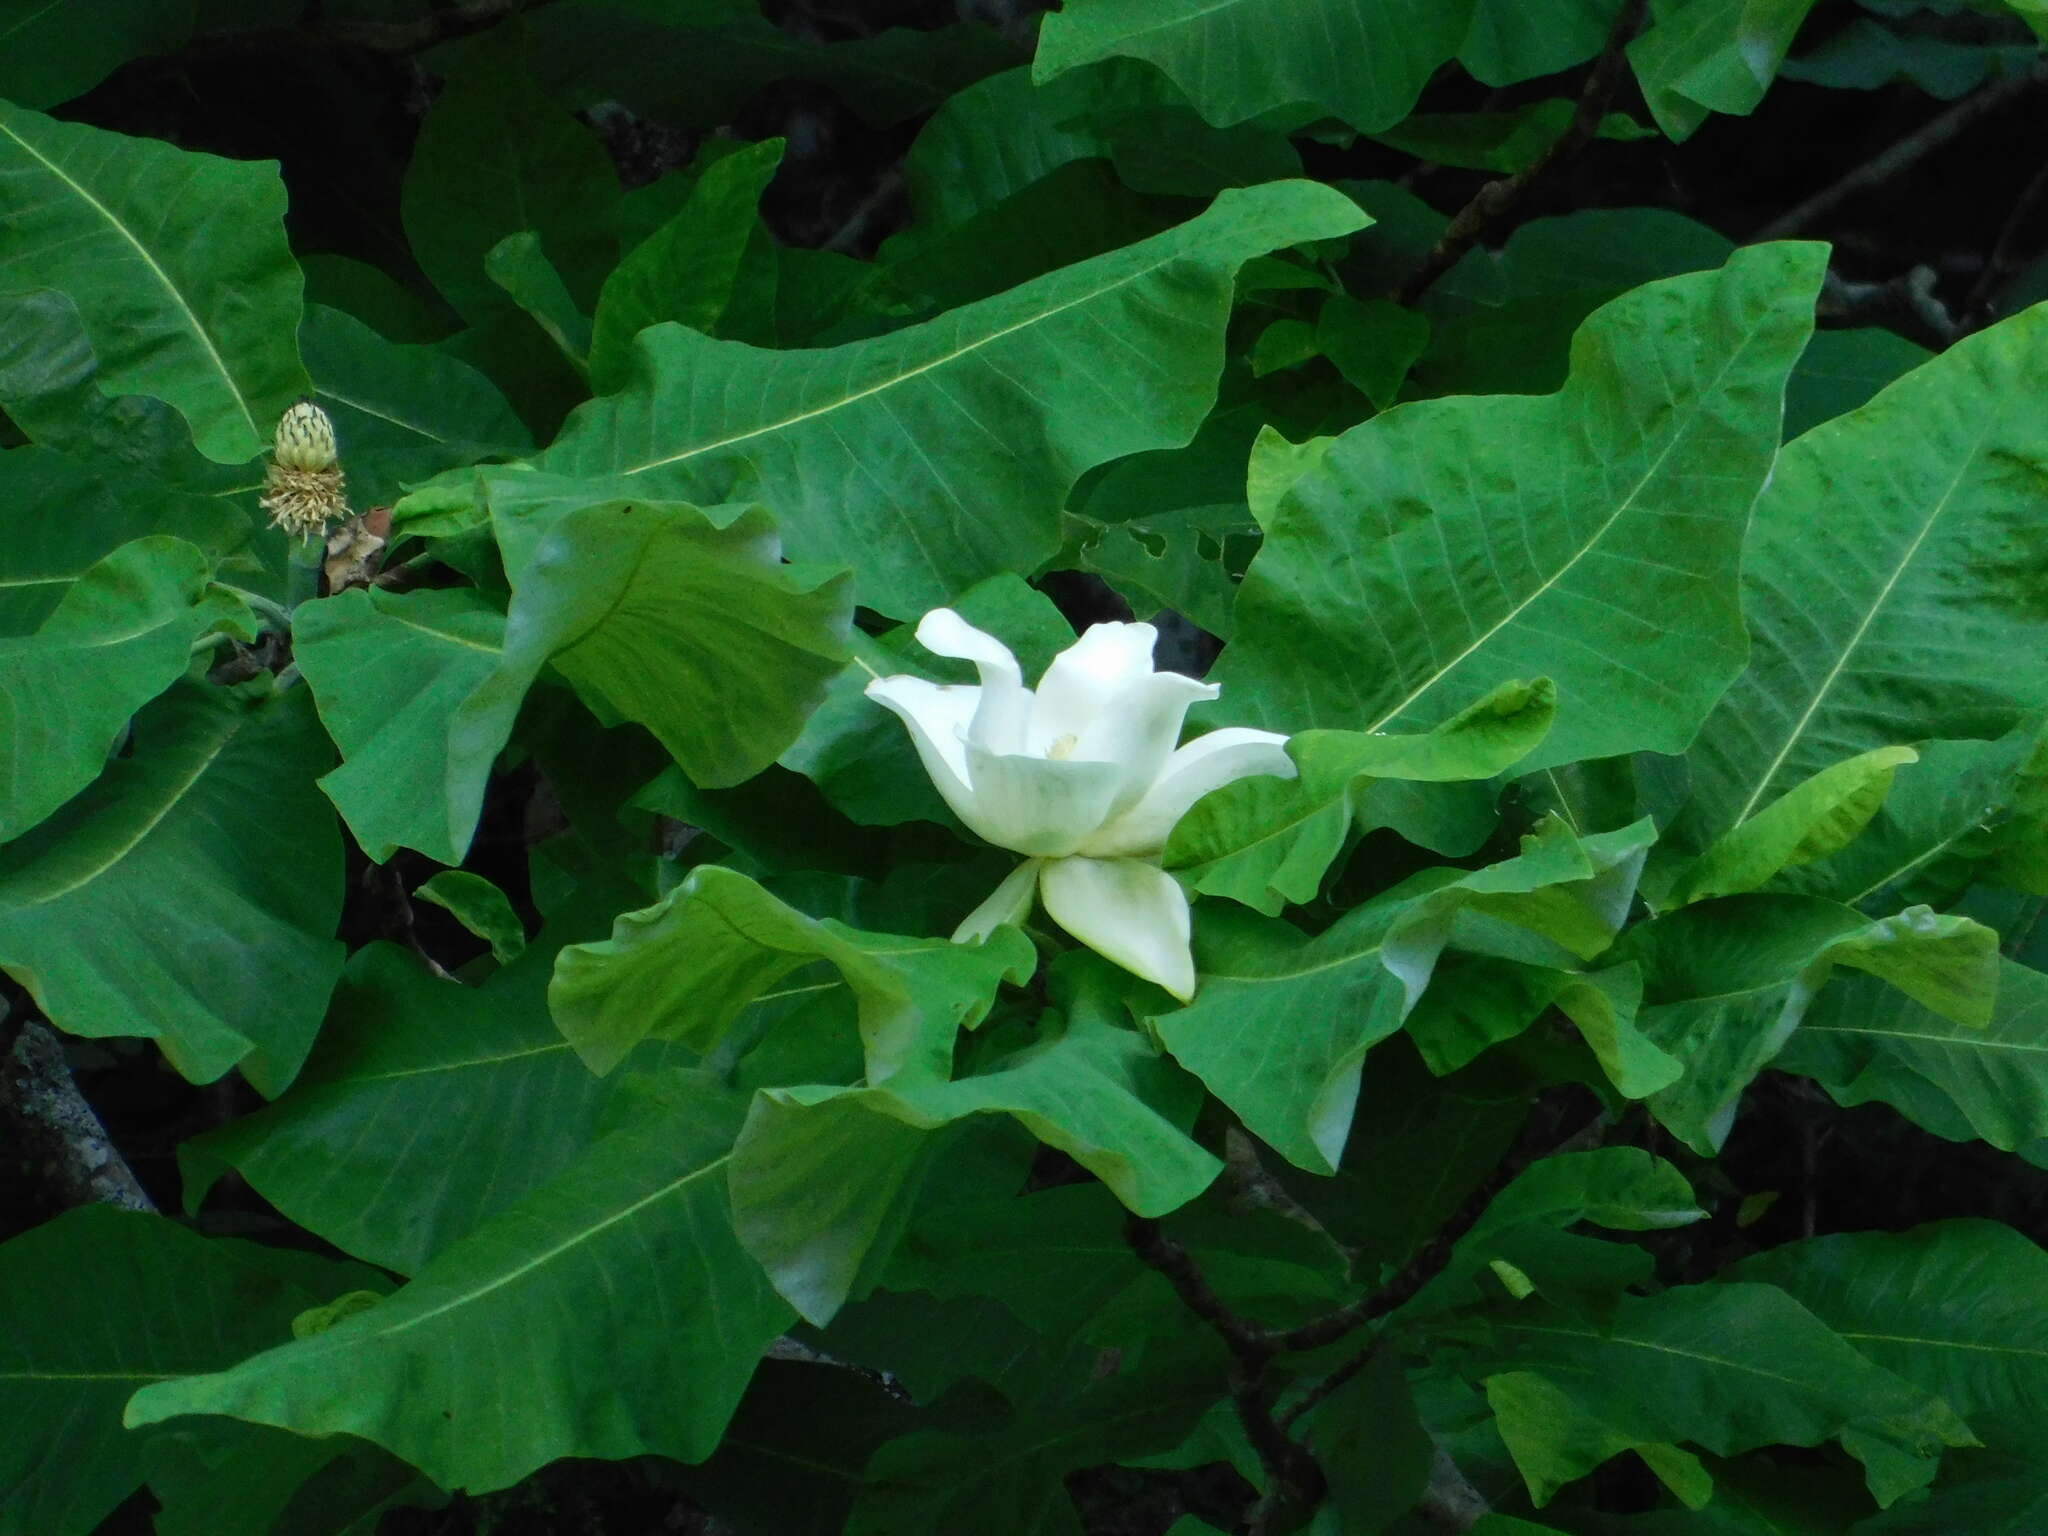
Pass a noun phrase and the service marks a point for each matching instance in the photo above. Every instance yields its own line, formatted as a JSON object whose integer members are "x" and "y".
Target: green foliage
{"x": 189, "y": 894}
{"x": 1661, "y": 440}
{"x": 640, "y": 1218}
{"x": 1662, "y": 818}
{"x": 67, "y": 1461}
{"x": 177, "y": 263}
{"x": 981, "y": 493}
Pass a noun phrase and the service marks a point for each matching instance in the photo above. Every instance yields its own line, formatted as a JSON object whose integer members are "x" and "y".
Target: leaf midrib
{"x": 548, "y": 1256}
{"x": 1628, "y": 504}
{"x": 1190, "y": 251}
{"x": 1976, "y": 1042}
{"x": 1827, "y": 683}
{"x": 1940, "y": 1343}
{"x": 177, "y": 295}
{"x": 171, "y": 802}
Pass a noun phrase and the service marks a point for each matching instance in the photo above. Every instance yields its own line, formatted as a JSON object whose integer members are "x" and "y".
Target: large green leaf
{"x": 521, "y": 266}
{"x": 220, "y": 1477}
{"x": 1267, "y": 842}
{"x": 980, "y": 448}
{"x": 1930, "y": 835}
{"x": 495, "y": 157}
{"x": 401, "y": 413}
{"x": 1591, "y": 536}
{"x": 1059, "y": 1259}
{"x": 178, "y": 265}
{"x": 404, "y": 686}
{"x": 1079, "y": 212}
{"x": 1864, "y": 1042}
{"x": 1954, "y": 1306}
{"x": 1282, "y": 1021}
{"x": 700, "y": 633}
{"x": 1811, "y": 820}
{"x": 1476, "y": 1002}
{"x": 1364, "y": 61}
{"x": 60, "y": 516}
{"x": 427, "y": 1108}
{"x": 1512, "y": 40}
{"x": 652, "y": 611}
{"x": 1891, "y": 574}
{"x": 190, "y": 894}
{"x": 1702, "y": 56}
{"x": 1986, "y": 1494}
{"x": 53, "y": 50}
{"x": 686, "y": 270}
{"x": 619, "y": 1281}
{"x": 1557, "y": 1439}
{"x": 1841, "y": 370}
{"x": 1730, "y": 1367}
{"x": 1094, "y": 1089}
{"x": 1623, "y": 1189}
{"x": 1726, "y": 983}
{"x": 121, "y": 449}
{"x": 684, "y": 969}
{"x": 1008, "y": 133}
{"x": 94, "y": 1305}
{"x": 121, "y": 634}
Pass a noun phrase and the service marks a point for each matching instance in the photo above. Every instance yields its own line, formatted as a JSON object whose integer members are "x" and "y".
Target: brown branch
{"x": 1497, "y": 197}
{"x": 1977, "y": 309}
{"x": 1293, "y": 1480}
{"x": 1429, "y": 1260}
{"x": 441, "y": 26}
{"x": 1915, "y": 146}
{"x": 59, "y": 1133}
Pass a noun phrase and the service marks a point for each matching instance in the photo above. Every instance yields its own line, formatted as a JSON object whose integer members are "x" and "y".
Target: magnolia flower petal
{"x": 1126, "y": 910}
{"x": 937, "y": 715}
{"x": 1038, "y": 805}
{"x": 1083, "y": 677}
{"x": 1007, "y": 903}
{"x": 1138, "y": 728}
{"x": 1209, "y": 762}
{"x": 1004, "y": 708}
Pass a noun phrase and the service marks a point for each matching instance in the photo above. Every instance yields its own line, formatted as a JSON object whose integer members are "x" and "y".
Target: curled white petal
{"x": 1137, "y": 729}
{"x": 1126, "y": 910}
{"x": 937, "y": 715}
{"x": 1205, "y": 764}
{"x": 1084, "y": 678}
{"x": 1038, "y": 805}
{"x": 1003, "y": 710}
{"x": 1007, "y": 903}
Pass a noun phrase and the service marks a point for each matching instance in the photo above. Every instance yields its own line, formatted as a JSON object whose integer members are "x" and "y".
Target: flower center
{"x": 1060, "y": 750}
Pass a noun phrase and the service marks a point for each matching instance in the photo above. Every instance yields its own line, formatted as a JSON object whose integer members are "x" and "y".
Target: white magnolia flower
{"x": 1083, "y": 776}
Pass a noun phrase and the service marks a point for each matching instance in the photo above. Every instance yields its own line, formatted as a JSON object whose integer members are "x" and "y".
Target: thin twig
{"x": 441, "y": 26}
{"x": 1915, "y": 146}
{"x": 1977, "y": 308}
{"x": 1166, "y": 1255}
{"x": 1497, "y": 197}
{"x": 1429, "y": 1260}
{"x": 853, "y": 233}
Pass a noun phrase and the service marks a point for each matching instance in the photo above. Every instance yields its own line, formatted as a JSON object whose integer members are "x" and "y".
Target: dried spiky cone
{"x": 303, "y": 489}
